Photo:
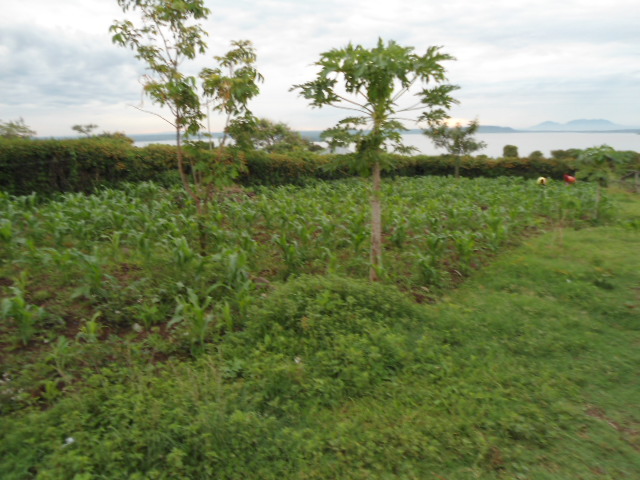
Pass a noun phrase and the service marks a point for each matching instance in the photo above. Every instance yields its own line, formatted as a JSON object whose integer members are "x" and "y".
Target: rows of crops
{"x": 133, "y": 256}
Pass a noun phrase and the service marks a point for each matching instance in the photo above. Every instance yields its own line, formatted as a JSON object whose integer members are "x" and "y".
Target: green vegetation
{"x": 15, "y": 129}
{"x": 127, "y": 353}
{"x": 510, "y": 151}
{"x": 209, "y": 331}
{"x": 166, "y": 36}
{"x": 84, "y": 129}
{"x": 272, "y": 137}
{"x": 376, "y": 82}
{"x": 82, "y": 165}
{"x": 457, "y": 140}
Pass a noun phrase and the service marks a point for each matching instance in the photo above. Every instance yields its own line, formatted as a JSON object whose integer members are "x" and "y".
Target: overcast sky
{"x": 519, "y": 63}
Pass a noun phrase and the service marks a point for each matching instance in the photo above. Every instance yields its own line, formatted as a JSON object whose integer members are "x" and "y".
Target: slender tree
{"x": 229, "y": 87}
{"x": 226, "y": 89}
{"x": 458, "y": 140}
{"x": 15, "y": 129}
{"x": 384, "y": 87}
{"x": 167, "y": 35}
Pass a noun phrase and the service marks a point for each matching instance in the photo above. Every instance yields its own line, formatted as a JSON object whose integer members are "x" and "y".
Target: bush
{"x": 323, "y": 339}
{"x": 510, "y": 151}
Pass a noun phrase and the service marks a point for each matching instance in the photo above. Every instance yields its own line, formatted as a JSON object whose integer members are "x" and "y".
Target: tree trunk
{"x": 597, "y": 206}
{"x": 200, "y": 203}
{"x": 376, "y": 224}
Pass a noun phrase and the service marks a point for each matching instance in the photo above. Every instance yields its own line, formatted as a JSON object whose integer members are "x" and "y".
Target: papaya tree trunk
{"x": 376, "y": 224}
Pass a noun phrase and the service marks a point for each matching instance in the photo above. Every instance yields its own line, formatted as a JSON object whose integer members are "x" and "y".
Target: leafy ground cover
{"x": 128, "y": 354}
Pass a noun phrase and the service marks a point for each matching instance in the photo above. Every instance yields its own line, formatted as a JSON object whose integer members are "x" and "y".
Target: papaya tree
{"x": 599, "y": 164}
{"x": 384, "y": 87}
{"x": 457, "y": 140}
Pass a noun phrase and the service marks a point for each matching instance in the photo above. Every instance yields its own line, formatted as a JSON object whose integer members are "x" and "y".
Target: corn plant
{"x": 465, "y": 244}
{"x": 196, "y": 316}
{"x": 428, "y": 267}
{"x": 22, "y": 314}
{"x": 290, "y": 253}
{"x": 498, "y": 229}
{"x": 91, "y": 330}
{"x": 94, "y": 277}
{"x": 60, "y": 355}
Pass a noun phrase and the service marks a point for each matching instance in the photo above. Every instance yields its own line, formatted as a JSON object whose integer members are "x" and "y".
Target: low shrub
{"x": 323, "y": 339}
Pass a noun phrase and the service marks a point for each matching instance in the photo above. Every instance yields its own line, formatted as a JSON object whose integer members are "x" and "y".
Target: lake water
{"x": 526, "y": 142}
{"x": 530, "y": 142}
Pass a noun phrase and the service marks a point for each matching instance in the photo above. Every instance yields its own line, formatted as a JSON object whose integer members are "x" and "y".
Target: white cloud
{"x": 519, "y": 63}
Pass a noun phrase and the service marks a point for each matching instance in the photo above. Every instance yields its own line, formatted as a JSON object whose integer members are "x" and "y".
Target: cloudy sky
{"x": 518, "y": 63}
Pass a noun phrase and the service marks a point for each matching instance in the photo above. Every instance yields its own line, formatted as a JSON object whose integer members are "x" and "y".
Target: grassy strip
{"x": 539, "y": 378}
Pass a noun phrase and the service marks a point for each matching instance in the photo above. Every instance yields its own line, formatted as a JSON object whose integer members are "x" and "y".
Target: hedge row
{"x": 50, "y": 166}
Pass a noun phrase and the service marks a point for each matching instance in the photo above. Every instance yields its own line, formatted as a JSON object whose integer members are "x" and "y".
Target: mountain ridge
{"x": 579, "y": 125}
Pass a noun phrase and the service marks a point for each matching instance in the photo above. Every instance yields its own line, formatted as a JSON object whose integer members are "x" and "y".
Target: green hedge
{"x": 482, "y": 166}
{"x": 51, "y": 166}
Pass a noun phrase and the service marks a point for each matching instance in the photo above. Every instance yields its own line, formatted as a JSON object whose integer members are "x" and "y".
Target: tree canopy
{"x": 385, "y": 86}
{"x": 270, "y": 136}
{"x": 15, "y": 129}
{"x": 457, "y": 140}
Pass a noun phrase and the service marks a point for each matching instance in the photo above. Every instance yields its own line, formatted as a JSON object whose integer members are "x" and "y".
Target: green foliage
{"x": 327, "y": 337}
{"x": 526, "y": 371}
{"x": 51, "y": 166}
{"x": 17, "y": 311}
{"x": 272, "y": 137}
{"x": 84, "y": 129}
{"x": 536, "y": 155}
{"x": 458, "y": 140}
{"x": 196, "y": 317}
{"x": 376, "y": 80}
{"x": 571, "y": 153}
{"x": 600, "y": 164}
{"x": 164, "y": 40}
{"x": 230, "y": 86}
{"x": 15, "y": 129}
{"x": 510, "y": 151}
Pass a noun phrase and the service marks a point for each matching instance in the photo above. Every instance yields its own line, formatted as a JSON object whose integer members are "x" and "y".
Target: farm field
{"x": 500, "y": 343}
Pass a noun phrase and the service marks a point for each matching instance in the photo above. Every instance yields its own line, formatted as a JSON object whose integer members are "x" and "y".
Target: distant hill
{"x": 582, "y": 125}
{"x": 495, "y": 129}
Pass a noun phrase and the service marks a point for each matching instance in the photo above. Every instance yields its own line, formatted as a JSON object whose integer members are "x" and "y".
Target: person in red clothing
{"x": 569, "y": 180}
